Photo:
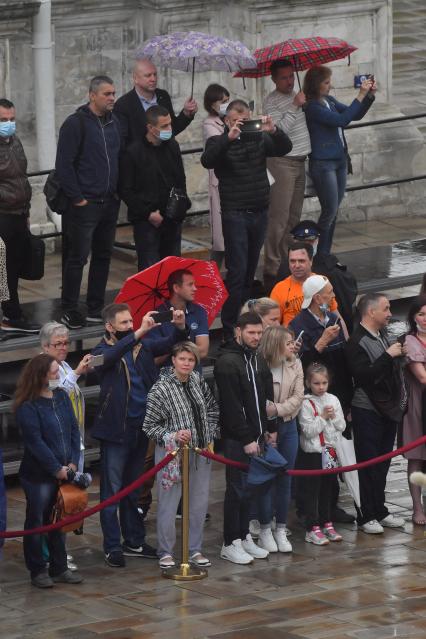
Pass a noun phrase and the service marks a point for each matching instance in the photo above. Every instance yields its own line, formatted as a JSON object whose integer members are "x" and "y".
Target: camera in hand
{"x": 359, "y": 79}
{"x": 82, "y": 480}
{"x": 251, "y": 126}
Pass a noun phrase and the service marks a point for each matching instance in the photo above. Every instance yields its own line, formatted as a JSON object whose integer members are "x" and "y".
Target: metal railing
{"x": 359, "y": 187}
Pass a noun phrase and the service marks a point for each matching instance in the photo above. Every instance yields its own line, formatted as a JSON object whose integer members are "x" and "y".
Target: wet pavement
{"x": 366, "y": 587}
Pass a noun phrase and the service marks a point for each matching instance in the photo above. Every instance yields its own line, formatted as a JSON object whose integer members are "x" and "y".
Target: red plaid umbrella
{"x": 146, "y": 290}
{"x": 304, "y": 53}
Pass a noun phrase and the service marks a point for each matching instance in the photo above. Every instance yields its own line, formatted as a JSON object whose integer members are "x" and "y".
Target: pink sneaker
{"x": 315, "y": 536}
{"x": 330, "y": 533}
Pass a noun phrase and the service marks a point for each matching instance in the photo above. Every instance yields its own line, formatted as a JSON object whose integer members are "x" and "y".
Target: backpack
{"x": 56, "y": 199}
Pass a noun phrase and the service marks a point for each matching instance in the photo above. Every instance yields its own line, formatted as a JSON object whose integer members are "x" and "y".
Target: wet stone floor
{"x": 366, "y": 587}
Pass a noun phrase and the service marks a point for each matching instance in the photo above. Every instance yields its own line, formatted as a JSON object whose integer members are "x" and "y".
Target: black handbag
{"x": 32, "y": 267}
{"x": 177, "y": 205}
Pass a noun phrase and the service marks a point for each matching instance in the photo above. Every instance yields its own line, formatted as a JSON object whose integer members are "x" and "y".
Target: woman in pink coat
{"x": 216, "y": 99}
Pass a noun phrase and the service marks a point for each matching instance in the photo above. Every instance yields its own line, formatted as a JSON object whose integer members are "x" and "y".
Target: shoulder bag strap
{"x": 316, "y": 414}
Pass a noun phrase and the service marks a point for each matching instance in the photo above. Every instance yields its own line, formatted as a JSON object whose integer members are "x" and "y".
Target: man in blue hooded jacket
{"x": 126, "y": 376}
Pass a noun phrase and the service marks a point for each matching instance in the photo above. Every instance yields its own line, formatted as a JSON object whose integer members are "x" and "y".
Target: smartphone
{"x": 359, "y": 79}
{"x": 163, "y": 316}
{"x": 97, "y": 360}
{"x": 401, "y": 339}
{"x": 251, "y": 126}
{"x": 299, "y": 337}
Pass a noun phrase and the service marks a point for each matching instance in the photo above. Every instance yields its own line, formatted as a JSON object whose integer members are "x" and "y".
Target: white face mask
{"x": 222, "y": 108}
{"x": 54, "y": 383}
{"x": 419, "y": 328}
{"x": 315, "y": 247}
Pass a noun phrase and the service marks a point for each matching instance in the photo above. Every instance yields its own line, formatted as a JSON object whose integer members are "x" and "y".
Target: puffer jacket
{"x": 240, "y": 167}
{"x": 288, "y": 388}
{"x": 168, "y": 408}
{"x": 15, "y": 190}
{"x": 312, "y": 425}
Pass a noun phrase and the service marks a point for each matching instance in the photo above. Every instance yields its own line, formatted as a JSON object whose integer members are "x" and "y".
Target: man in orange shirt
{"x": 288, "y": 293}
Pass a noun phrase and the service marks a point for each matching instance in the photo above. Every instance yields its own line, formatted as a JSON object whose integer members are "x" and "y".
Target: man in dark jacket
{"x": 244, "y": 382}
{"x": 131, "y": 107}
{"x": 376, "y": 407}
{"x": 149, "y": 168}
{"x": 126, "y": 376}
{"x": 239, "y": 161}
{"x": 87, "y": 168}
{"x": 15, "y": 199}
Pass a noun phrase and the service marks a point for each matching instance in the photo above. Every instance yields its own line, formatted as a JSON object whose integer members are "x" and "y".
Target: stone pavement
{"x": 366, "y": 587}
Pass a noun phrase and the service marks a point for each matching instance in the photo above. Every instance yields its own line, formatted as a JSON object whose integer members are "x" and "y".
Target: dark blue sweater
{"x": 50, "y": 434}
{"x": 93, "y": 173}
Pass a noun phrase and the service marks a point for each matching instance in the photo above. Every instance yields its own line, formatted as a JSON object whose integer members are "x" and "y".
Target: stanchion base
{"x": 186, "y": 573}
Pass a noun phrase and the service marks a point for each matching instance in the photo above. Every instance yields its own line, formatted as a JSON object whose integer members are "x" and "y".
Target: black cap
{"x": 306, "y": 230}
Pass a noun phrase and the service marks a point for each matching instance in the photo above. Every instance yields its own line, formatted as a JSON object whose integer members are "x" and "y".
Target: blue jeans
{"x": 40, "y": 500}
{"x": 121, "y": 464}
{"x": 277, "y": 498}
{"x": 329, "y": 178}
{"x": 244, "y": 234}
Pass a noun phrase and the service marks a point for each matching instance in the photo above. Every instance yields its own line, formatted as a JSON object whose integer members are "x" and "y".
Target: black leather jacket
{"x": 15, "y": 190}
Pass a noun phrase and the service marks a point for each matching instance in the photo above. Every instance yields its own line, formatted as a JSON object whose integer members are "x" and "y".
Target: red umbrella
{"x": 147, "y": 290}
{"x": 302, "y": 52}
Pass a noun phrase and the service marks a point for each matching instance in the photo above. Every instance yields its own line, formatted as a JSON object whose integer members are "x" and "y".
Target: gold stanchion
{"x": 185, "y": 572}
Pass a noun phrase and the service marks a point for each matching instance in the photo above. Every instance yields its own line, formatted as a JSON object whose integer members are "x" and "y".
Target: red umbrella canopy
{"x": 303, "y": 52}
{"x": 145, "y": 291}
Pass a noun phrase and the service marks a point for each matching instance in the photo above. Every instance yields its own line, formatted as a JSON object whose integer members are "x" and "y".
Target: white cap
{"x": 314, "y": 284}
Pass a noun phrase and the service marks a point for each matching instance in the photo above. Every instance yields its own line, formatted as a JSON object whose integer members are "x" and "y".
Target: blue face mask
{"x": 165, "y": 135}
{"x": 324, "y": 308}
{"x": 7, "y": 129}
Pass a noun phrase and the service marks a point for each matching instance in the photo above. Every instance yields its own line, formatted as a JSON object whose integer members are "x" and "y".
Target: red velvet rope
{"x": 91, "y": 511}
{"x": 328, "y": 471}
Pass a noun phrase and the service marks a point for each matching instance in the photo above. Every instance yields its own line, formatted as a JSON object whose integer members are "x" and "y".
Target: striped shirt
{"x": 290, "y": 119}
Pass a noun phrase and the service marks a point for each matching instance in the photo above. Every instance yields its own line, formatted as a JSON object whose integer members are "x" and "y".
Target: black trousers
{"x": 317, "y": 491}
{"x": 153, "y": 244}
{"x": 238, "y": 497}
{"x": 13, "y": 231}
{"x": 89, "y": 228}
{"x": 374, "y": 435}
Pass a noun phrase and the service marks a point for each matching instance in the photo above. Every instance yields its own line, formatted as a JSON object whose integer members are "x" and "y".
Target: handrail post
{"x": 185, "y": 572}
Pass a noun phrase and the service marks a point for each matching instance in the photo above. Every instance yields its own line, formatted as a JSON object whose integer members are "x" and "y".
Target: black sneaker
{"x": 146, "y": 551}
{"x": 68, "y": 577}
{"x": 115, "y": 559}
{"x": 21, "y": 325}
{"x": 73, "y": 319}
{"x": 94, "y": 318}
{"x": 42, "y": 580}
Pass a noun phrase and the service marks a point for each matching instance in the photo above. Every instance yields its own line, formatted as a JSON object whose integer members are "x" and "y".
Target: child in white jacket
{"x": 321, "y": 424}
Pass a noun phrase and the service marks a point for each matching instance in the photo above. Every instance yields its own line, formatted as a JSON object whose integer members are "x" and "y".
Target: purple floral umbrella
{"x": 196, "y": 51}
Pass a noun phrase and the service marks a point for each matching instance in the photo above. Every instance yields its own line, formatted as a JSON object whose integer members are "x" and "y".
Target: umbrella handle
{"x": 193, "y": 74}
{"x": 297, "y": 73}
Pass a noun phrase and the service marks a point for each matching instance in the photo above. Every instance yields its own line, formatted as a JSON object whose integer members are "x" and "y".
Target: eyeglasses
{"x": 63, "y": 344}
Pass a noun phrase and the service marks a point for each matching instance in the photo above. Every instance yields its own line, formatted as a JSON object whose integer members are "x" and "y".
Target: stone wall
{"x": 92, "y": 38}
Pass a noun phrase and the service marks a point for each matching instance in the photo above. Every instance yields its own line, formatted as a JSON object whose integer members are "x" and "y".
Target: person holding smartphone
{"x": 125, "y": 378}
{"x": 239, "y": 162}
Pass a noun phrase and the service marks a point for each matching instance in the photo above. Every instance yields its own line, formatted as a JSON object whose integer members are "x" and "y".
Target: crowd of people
{"x": 111, "y": 150}
{"x": 296, "y": 372}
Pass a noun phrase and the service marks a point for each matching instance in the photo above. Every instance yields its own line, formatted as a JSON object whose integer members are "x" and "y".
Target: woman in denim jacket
{"x": 328, "y": 162}
{"x": 45, "y": 416}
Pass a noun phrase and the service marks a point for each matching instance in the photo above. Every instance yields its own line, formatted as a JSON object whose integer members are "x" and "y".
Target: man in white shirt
{"x": 284, "y": 105}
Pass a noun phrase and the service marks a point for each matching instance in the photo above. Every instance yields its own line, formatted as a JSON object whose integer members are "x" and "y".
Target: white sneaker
{"x": 392, "y": 521}
{"x": 254, "y": 528}
{"x": 283, "y": 543}
{"x": 253, "y": 549}
{"x": 372, "y": 527}
{"x": 236, "y": 553}
{"x": 266, "y": 540}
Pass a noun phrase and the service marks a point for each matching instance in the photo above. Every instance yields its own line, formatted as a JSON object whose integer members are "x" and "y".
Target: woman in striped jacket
{"x": 181, "y": 410}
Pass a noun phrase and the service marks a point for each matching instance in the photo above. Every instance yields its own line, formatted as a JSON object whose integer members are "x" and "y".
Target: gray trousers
{"x": 168, "y": 500}
{"x": 285, "y": 209}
